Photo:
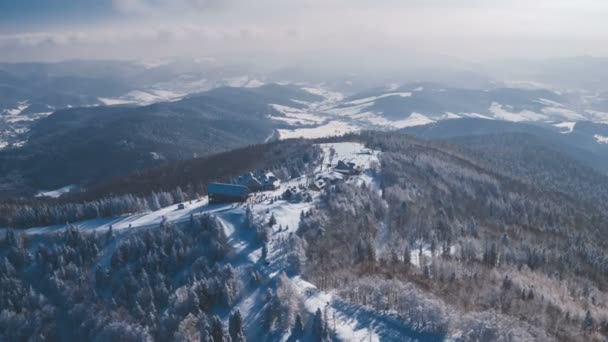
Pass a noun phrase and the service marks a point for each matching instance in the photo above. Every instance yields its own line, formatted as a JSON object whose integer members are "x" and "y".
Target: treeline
{"x": 162, "y": 187}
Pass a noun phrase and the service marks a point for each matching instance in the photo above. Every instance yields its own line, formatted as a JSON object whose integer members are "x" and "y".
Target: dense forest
{"x": 522, "y": 260}
{"x": 443, "y": 239}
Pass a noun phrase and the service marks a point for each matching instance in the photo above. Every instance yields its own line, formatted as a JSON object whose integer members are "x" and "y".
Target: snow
{"x": 16, "y": 111}
{"x": 349, "y": 111}
{"x": 143, "y": 97}
{"x": 330, "y": 96}
{"x": 374, "y": 98}
{"x": 601, "y": 139}
{"x": 242, "y": 82}
{"x": 113, "y": 102}
{"x": 57, "y": 192}
{"x": 450, "y": 115}
{"x": 29, "y": 117}
{"x": 347, "y": 328}
{"x": 296, "y": 116}
{"x": 152, "y": 96}
{"x": 550, "y": 103}
{"x": 332, "y": 128}
{"x": 503, "y": 113}
{"x": 567, "y": 126}
{"x": 348, "y": 152}
{"x": 597, "y": 116}
{"x": 478, "y": 116}
{"x": 563, "y": 113}
{"x": 415, "y": 119}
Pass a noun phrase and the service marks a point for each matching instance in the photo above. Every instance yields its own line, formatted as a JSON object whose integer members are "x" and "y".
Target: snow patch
{"x": 601, "y": 139}
{"x": 374, "y": 98}
{"x": 450, "y": 115}
{"x": 243, "y": 82}
{"x": 113, "y": 102}
{"x": 597, "y": 116}
{"x": 503, "y": 113}
{"x": 16, "y": 111}
{"x": 350, "y": 111}
{"x": 567, "y": 126}
{"x": 332, "y": 128}
{"x": 551, "y": 103}
{"x": 57, "y": 192}
{"x": 563, "y": 112}
{"x": 415, "y": 119}
{"x": 296, "y": 116}
{"x": 330, "y": 96}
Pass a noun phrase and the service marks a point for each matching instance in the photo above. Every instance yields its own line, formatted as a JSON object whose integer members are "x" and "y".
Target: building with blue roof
{"x": 227, "y": 193}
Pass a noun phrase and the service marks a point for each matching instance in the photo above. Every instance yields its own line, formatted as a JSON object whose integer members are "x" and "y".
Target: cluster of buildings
{"x": 245, "y": 184}
{"x": 267, "y": 181}
{"x": 339, "y": 173}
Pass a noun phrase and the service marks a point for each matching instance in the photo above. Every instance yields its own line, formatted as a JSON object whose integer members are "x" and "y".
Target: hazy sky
{"x": 284, "y": 31}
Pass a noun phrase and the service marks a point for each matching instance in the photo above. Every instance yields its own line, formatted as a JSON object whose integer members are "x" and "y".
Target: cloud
{"x": 283, "y": 31}
{"x": 159, "y": 6}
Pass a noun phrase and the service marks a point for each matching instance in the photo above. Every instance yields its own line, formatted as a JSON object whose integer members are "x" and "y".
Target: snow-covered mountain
{"x": 274, "y": 265}
{"x": 423, "y": 103}
{"x": 418, "y": 242}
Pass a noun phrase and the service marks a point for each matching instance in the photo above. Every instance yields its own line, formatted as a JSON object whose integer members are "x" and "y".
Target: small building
{"x": 269, "y": 181}
{"x": 325, "y": 179}
{"x": 251, "y": 182}
{"x": 318, "y": 184}
{"x": 227, "y": 193}
{"x": 260, "y": 181}
{"x": 347, "y": 168}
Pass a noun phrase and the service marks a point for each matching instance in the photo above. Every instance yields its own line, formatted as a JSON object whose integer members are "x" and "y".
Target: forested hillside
{"x": 430, "y": 241}
{"x": 466, "y": 239}
{"x": 160, "y": 187}
{"x": 87, "y": 146}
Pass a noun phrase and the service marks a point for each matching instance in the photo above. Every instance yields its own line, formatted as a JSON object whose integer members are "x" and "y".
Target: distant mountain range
{"x": 93, "y": 144}
{"x": 77, "y": 124}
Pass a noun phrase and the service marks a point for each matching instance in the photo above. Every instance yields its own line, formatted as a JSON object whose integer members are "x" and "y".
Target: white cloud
{"x": 369, "y": 31}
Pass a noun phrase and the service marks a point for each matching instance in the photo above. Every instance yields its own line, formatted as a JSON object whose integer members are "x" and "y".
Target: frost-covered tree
{"x": 235, "y": 327}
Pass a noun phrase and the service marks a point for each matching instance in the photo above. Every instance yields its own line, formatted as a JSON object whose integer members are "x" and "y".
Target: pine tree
{"x": 407, "y": 254}
{"x": 318, "y": 326}
{"x": 264, "y": 252}
{"x": 109, "y": 234}
{"x": 217, "y": 330}
{"x": 588, "y": 321}
{"x": 298, "y": 326}
{"x": 272, "y": 220}
{"x": 235, "y": 327}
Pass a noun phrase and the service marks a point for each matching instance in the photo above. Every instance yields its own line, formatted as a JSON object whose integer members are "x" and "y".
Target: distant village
{"x": 251, "y": 183}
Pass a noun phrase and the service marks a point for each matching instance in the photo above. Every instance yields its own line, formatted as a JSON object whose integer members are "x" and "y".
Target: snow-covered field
{"x": 504, "y": 113}
{"x": 332, "y": 128}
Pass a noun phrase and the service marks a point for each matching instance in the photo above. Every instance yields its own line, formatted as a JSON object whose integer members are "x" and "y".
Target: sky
{"x": 374, "y": 33}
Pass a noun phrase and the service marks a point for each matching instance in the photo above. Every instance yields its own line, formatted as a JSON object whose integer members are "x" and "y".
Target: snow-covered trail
{"x": 144, "y": 220}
